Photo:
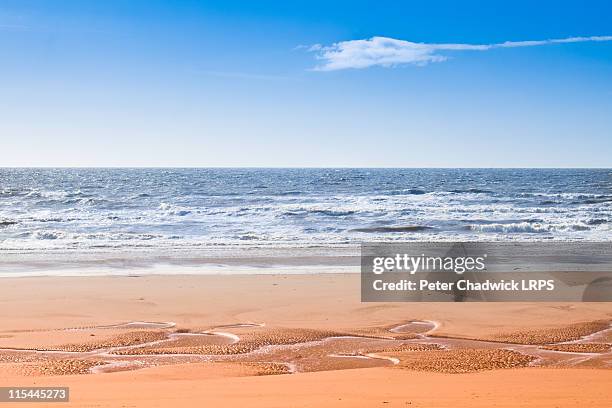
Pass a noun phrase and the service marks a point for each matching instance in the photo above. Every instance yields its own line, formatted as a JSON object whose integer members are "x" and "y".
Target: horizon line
{"x": 311, "y": 167}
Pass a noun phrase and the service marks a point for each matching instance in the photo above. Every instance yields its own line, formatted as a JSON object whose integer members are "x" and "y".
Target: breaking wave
{"x": 154, "y": 208}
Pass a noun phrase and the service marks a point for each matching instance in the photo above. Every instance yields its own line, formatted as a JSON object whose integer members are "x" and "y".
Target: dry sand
{"x": 219, "y": 340}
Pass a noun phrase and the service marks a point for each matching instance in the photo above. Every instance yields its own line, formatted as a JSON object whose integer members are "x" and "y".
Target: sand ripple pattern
{"x": 266, "y": 350}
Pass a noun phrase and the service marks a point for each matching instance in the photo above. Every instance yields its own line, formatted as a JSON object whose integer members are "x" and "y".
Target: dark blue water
{"x": 43, "y": 209}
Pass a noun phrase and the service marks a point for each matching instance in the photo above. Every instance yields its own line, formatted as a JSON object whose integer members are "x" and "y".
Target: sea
{"x": 76, "y": 210}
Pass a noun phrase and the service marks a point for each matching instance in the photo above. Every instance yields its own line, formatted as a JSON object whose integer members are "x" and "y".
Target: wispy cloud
{"x": 390, "y": 52}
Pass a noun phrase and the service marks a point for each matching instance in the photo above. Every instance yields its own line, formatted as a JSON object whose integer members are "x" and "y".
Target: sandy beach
{"x": 294, "y": 340}
{"x": 275, "y": 204}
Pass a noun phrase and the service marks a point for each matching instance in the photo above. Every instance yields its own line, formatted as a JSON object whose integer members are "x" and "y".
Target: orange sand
{"x": 37, "y": 310}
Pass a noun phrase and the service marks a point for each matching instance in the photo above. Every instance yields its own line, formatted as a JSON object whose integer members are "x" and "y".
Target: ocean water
{"x": 129, "y": 209}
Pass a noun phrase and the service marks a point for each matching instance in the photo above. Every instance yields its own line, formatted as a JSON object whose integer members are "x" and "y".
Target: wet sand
{"x": 274, "y": 336}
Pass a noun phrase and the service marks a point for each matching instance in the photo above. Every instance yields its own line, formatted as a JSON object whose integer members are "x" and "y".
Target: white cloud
{"x": 389, "y": 52}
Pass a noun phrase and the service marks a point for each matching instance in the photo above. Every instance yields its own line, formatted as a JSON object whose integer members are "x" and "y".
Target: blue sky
{"x": 180, "y": 83}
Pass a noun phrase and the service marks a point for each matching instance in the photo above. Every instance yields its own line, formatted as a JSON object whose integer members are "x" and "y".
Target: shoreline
{"x": 169, "y": 270}
{"x": 541, "y": 256}
{"x": 176, "y": 261}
